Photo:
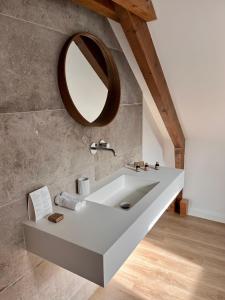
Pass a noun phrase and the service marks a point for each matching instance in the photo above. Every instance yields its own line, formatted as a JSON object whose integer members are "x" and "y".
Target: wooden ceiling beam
{"x": 139, "y": 38}
{"x": 141, "y": 8}
{"x": 102, "y": 7}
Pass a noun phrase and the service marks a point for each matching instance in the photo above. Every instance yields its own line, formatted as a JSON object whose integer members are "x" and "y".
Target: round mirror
{"x": 88, "y": 80}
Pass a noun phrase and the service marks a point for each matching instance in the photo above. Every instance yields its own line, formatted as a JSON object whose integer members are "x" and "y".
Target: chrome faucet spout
{"x": 102, "y": 145}
{"x": 110, "y": 149}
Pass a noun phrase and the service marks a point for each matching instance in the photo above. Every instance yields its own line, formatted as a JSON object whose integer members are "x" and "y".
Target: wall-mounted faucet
{"x": 102, "y": 145}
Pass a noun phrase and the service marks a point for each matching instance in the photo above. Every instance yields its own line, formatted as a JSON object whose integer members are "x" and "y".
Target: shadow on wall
{"x": 156, "y": 147}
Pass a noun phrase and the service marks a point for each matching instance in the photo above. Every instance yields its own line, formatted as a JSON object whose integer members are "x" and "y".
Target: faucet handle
{"x": 103, "y": 144}
{"x": 93, "y": 148}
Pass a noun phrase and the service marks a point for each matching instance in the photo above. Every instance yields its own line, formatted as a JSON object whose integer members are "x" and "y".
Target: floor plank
{"x": 180, "y": 259}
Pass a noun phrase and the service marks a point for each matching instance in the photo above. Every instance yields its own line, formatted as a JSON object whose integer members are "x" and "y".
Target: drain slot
{"x": 125, "y": 205}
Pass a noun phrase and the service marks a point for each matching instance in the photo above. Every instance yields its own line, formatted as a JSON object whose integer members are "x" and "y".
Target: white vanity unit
{"x": 96, "y": 241}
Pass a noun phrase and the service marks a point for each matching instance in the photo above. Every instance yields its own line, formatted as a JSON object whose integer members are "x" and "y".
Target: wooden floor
{"x": 181, "y": 258}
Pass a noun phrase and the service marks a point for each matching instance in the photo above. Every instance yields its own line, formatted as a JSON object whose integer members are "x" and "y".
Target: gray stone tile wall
{"x": 39, "y": 142}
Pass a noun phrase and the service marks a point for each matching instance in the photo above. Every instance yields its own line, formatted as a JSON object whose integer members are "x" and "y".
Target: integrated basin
{"x": 123, "y": 192}
{"x": 95, "y": 242}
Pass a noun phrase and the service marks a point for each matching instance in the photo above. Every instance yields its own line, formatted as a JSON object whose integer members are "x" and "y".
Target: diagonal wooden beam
{"x": 141, "y": 8}
{"x": 102, "y": 7}
{"x": 139, "y": 38}
{"x": 93, "y": 57}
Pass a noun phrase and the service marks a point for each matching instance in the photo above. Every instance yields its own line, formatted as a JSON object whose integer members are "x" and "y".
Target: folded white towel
{"x": 69, "y": 201}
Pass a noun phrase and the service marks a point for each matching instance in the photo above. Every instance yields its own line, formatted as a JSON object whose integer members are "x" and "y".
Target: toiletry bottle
{"x": 138, "y": 168}
{"x": 146, "y": 167}
{"x": 157, "y": 165}
{"x": 83, "y": 186}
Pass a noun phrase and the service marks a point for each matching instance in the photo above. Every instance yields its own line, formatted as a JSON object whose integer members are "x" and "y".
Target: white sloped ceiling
{"x": 189, "y": 36}
{"x": 190, "y": 40}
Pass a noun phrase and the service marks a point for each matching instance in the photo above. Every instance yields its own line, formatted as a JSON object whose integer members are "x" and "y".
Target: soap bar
{"x": 56, "y": 217}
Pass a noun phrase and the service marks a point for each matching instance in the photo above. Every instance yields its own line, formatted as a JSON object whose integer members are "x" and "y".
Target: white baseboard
{"x": 206, "y": 215}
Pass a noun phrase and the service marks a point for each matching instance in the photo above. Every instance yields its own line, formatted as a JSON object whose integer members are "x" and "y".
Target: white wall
{"x": 190, "y": 41}
{"x": 152, "y": 142}
{"x": 157, "y": 145}
{"x": 205, "y": 178}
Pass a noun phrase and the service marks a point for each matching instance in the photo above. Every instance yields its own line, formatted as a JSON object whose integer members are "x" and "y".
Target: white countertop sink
{"x": 125, "y": 189}
{"x": 95, "y": 241}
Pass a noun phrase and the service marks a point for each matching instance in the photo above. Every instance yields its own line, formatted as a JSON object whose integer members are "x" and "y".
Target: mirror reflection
{"x": 89, "y": 80}
{"x": 87, "y": 90}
